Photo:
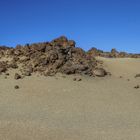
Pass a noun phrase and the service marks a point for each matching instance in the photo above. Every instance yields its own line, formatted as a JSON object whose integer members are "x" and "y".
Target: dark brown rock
{"x": 17, "y": 76}
{"x": 137, "y": 87}
{"x": 7, "y": 74}
{"x": 16, "y": 87}
{"x": 77, "y": 79}
{"x": 3, "y": 69}
{"x": 137, "y": 75}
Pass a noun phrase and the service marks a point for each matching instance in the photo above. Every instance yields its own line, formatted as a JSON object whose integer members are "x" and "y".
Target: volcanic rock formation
{"x": 48, "y": 58}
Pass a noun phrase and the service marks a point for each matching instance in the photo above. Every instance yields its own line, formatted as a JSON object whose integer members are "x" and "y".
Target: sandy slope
{"x": 58, "y": 108}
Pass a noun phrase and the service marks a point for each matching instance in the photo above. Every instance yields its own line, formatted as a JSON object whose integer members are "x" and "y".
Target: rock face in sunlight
{"x": 48, "y": 58}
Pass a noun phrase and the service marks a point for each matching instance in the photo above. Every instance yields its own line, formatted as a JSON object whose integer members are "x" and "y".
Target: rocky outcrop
{"x": 48, "y": 58}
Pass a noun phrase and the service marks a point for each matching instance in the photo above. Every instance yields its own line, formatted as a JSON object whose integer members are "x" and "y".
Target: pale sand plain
{"x": 58, "y": 108}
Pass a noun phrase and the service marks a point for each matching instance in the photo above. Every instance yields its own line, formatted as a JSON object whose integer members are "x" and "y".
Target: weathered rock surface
{"x": 48, "y": 58}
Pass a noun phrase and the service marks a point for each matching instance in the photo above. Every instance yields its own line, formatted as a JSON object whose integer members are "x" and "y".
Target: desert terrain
{"x": 59, "y": 108}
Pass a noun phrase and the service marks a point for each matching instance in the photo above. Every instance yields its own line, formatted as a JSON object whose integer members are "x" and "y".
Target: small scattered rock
{"x": 16, "y": 87}
{"x": 137, "y": 75}
{"x": 77, "y": 79}
{"x": 137, "y": 87}
{"x": 17, "y": 76}
{"x": 7, "y": 74}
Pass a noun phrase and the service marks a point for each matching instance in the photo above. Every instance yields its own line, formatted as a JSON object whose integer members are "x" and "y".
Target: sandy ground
{"x": 58, "y": 108}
